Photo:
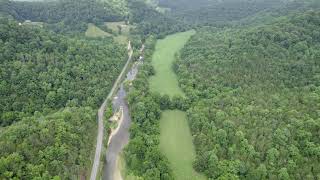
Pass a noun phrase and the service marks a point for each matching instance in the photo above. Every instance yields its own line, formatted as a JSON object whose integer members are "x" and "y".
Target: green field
{"x": 95, "y": 32}
{"x": 175, "y": 137}
{"x": 176, "y": 144}
{"x": 165, "y": 80}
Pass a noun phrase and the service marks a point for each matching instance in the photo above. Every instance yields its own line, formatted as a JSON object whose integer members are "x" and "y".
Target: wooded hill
{"x": 73, "y": 15}
{"x": 51, "y": 86}
{"x": 256, "y": 97}
{"x": 227, "y": 12}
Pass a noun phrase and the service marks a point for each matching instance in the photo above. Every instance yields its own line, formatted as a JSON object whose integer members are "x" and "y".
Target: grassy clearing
{"x": 176, "y": 144}
{"x": 95, "y": 32}
{"x": 165, "y": 81}
{"x": 125, "y": 29}
{"x": 175, "y": 137}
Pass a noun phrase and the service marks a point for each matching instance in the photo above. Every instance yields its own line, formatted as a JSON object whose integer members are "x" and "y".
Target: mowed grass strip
{"x": 165, "y": 80}
{"x": 176, "y": 144}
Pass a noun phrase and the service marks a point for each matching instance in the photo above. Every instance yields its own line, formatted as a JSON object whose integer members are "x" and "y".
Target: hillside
{"x": 255, "y": 95}
{"x": 226, "y": 12}
{"x": 209, "y": 89}
{"x": 50, "y": 87}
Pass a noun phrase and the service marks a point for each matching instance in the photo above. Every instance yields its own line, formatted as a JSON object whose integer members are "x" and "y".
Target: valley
{"x": 160, "y": 89}
{"x": 175, "y": 138}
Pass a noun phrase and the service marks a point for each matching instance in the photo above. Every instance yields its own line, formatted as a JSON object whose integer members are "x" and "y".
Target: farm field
{"x": 176, "y": 144}
{"x": 175, "y": 137}
{"x": 165, "y": 80}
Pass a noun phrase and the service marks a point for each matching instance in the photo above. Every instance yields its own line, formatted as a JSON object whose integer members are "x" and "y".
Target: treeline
{"x": 151, "y": 22}
{"x": 222, "y": 13}
{"x": 73, "y": 15}
{"x": 66, "y": 15}
{"x": 255, "y": 96}
{"x": 142, "y": 155}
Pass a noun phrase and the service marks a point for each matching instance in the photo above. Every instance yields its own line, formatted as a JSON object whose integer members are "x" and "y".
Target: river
{"x": 119, "y": 140}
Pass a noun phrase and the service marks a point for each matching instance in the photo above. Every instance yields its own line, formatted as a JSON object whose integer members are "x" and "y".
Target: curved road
{"x": 96, "y": 163}
{"x": 121, "y": 138}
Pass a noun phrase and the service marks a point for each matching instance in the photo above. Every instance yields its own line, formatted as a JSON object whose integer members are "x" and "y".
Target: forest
{"x": 66, "y": 15}
{"x": 249, "y": 83}
{"x": 255, "y": 99}
{"x": 50, "y": 86}
{"x": 70, "y": 16}
{"x": 229, "y": 12}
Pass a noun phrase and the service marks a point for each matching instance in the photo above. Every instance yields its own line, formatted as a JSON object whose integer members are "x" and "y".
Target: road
{"x": 96, "y": 163}
{"x": 121, "y": 138}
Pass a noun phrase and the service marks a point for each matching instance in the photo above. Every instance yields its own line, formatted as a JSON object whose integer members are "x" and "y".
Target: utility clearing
{"x": 175, "y": 137}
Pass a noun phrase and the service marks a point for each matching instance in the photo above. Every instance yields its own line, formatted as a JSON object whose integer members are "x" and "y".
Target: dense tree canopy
{"x": 41, "y": 71}
{"x": 55, "y": 146}
{"x": 223, "y": 12}
{"x": 151, "y": 21}
{"x": 51, "y": 86}
{"x": 69, "y": 14}
{"x": 256, "y": 99}
{"x": 142, "y": 155}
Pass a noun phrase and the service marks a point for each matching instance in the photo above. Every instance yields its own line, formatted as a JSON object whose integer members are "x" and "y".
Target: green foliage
{"x": 66, "y": 15}
{"x": 142, "y": 155}
{"x": 225, "y": 12}
{"x": 151, "y": 21}
{"x": 55, "y": 146}
{"x": 255, "y": 99}
{"x": 42, "y": 71}
{"x": 176, "y": 144}
{"x": 165, "y": 81}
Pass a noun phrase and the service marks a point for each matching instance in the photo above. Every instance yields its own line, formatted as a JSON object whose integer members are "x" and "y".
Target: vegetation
{"x": 151, "y": 21}
{"x": 225, "y": 12}
{"x": 176, "y": 144}
{"x": 65, "y": 15}
{"x": 95, "y": 32}
{"x": 247, "y": 92}
{"x": 50, "y": 87}
{"x": 165, "y": 81}
{"x": 142, "y": 155}
{"x": 55, "y": 146}
{"x": 43, "y": 71}
{"x": 255, "y": 99}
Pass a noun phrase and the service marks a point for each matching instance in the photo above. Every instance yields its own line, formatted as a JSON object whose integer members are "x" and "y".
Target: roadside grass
{"x": 95, "y": 32}
{"x": 176, "y": 144}
{"x": 165, "y": 80}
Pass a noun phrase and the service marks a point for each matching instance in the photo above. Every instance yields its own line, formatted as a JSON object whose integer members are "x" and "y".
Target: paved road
{"x": 96, "y": 163}
{"x": 121, "y": 138}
